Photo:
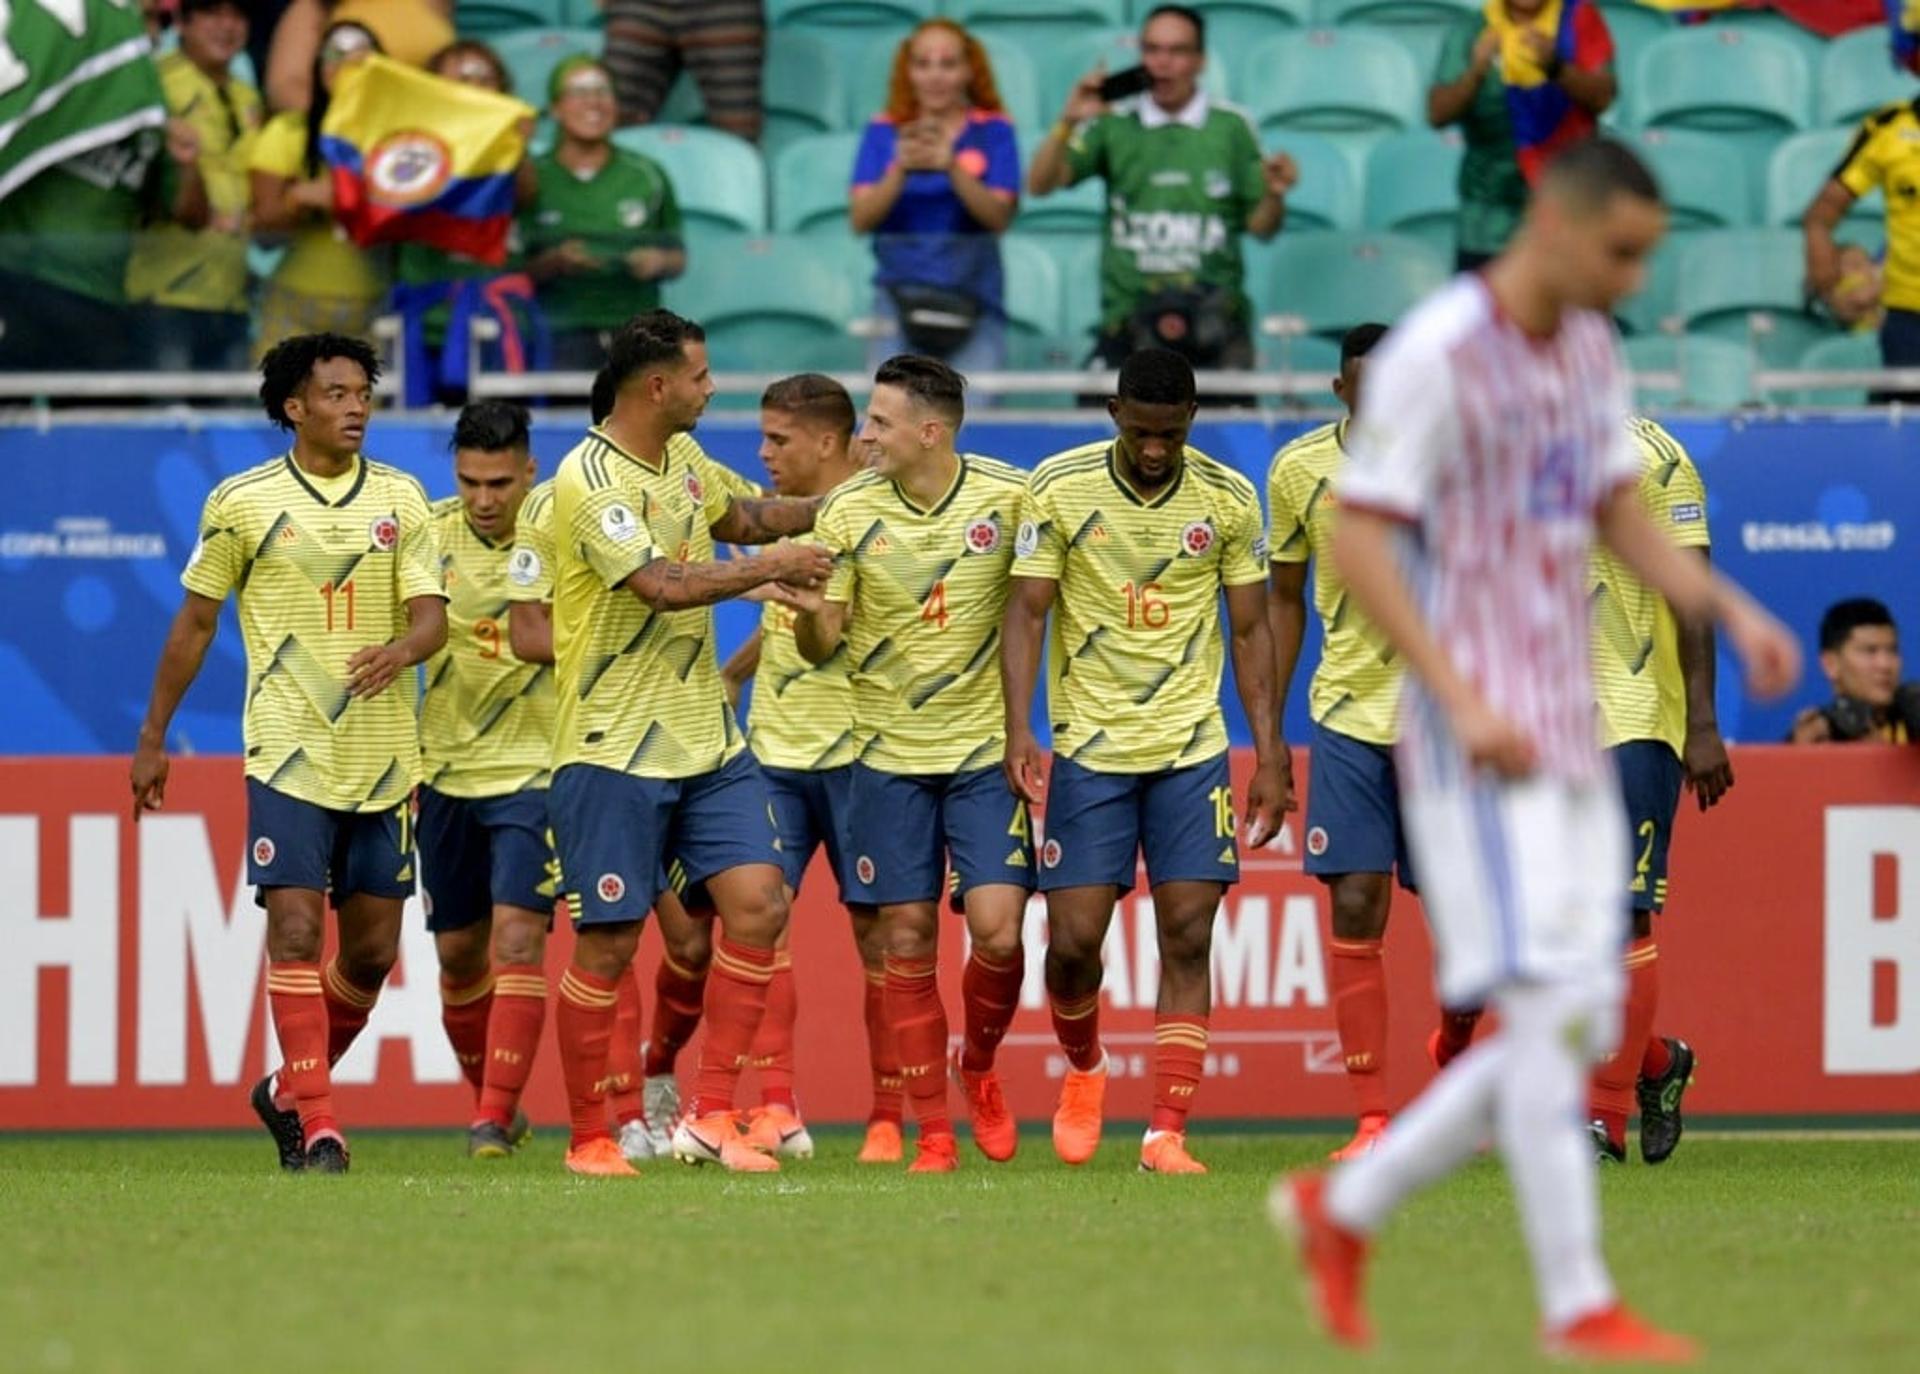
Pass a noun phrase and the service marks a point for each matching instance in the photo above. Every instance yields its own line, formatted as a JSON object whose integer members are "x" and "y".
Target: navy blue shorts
{"x": 1099, "y": 824}
{"x": 1353, "y": 809}
{"x": 294, "y": 843}
{"x": 618, "y": 833}
{"x": 811, "y": 809}
{"x": 1650, "y": 779}
{"x": 477, "y": 853}
{"x": 907, "y": 828}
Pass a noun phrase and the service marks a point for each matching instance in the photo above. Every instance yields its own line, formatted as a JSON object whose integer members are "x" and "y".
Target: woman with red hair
{"x": 936, "y": 180}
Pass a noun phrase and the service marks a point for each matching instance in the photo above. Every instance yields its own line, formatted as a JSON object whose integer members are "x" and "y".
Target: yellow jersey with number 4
{"x": 1136, "y": 650}
{"x": 1636, "y": 647}
{"x": 321, "y": 568}
{"x": 486, "y": 721}
{"x": 639, "y": 690}
{"x": 1356, "y": 688}
{"x": 925, "y": 591}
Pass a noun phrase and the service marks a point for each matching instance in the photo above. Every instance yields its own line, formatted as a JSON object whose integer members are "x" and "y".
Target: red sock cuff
{"x": 520, "y": 980}
{"x": 587, "y": 990}
{"x": 343, "y": 989}
{"x": 910, "y": 969}
{"x": 454, "y": 994}
{"x": 1356, "y": 949}
{"x": 743, "y": 961}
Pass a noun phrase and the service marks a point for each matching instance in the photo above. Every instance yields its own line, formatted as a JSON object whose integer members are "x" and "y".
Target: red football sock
{"x": 1658, "y": 1058}
{"x": 464, "y": 1011}
{"x": 623, "y": 1051}
{"x": 1179, "y": 1057}
{"x": 678, "y": 996}
{"x": 1360, "y": 1010}
{"x": 773, "y": 1046}
{"x": 989, "y": 993}
{"x": 1613, "y": 1081}
{"x": 583, "y": 1024}
{"x": 919, "y": 1025}
{"x": 1076, "y": 1025}
{"x": 736, "y": 1003}
{"x": 348, "y": 1007}
{"x": 300, "y": 1022}
{"x": 1456, "y": 1032}
{"x": 889, "y": 1088}
{"x": 513, "y": 1037}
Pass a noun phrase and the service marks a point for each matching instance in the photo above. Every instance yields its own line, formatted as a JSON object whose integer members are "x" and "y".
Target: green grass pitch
{"x": 155, "y": 1254}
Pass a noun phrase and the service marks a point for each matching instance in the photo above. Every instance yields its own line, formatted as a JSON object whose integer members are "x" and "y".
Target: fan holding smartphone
{"x": 1185, "y": 179}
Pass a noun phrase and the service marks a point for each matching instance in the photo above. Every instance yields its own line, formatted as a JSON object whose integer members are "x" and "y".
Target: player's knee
{"x": 1358, "y": 912}
{"x": 519, "y": 942}
{"x": 999, "y": 945}
{"x": 1074, "y": 949}
{"x": 1186, "y": 943}
{"x": 691, "y": 947}
{"x": 605, "y": 951}
{"x": 909, "y": 939}
{"x": 760, "y": 918}
{"x": 463, "y": 953}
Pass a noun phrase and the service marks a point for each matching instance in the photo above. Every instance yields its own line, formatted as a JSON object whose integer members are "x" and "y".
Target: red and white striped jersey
{"x": 1496, "y": 449}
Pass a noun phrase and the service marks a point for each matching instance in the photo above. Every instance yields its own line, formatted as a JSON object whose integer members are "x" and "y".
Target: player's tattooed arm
{"x": 1250, "y": 641}
{"x": 1287, "y": 627}
{"x": 186, "y": 649}
{"x": 373, "y": 669}
{"x": 1023, "y": 630}
{"x": 1709, "y": 772}
{"x": 765, "y": 519}
{"x": 530, "y": 631}
{"x": 667, "y": 585}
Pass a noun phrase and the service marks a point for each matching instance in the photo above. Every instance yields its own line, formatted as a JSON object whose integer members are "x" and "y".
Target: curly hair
{"x": 290, "y": 362}
{"x": 982, "y": 93}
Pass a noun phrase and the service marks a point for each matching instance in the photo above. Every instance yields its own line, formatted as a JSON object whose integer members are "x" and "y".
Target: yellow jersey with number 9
{"x": 924, "y": 591}
{"x": 1136, "y": 651}
{"x": 321, "y": 568}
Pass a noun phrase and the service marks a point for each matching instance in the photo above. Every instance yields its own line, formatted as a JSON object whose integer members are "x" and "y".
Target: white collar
{"x": 1193, "y": 114}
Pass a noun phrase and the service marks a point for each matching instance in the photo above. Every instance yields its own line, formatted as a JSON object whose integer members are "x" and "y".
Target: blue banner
{"x": 100, "y": 518}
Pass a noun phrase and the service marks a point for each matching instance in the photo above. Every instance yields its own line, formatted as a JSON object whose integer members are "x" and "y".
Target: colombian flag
{"x": 1903, "y": 22}
{"x": 1543, "y": 115}
{"x": 421, "y": 159}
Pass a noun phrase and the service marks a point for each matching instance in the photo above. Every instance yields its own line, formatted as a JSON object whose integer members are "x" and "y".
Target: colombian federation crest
{"x": 408, "y": 167}
{"x": 863, "y": 869}
{"x": 983, "y": 535}
{"x": 611, "y": 887}
{"x": 385, "y": 533}
{"x": 263, "y": 852}
{"x": 695, "y": 487}
{"x": 1317, "y": 841}
{"x": 1196, "y": 538}
{"x": 1050, "y": 853}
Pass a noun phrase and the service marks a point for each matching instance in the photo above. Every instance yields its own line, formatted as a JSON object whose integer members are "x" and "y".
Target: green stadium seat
{"x": 1327, "y": 196}
{"x": 1042, "y": 17}
{"x": 1714, "y": 374}
{"x": 1394, "y": 12}
{"x": 1423, "y": 43}
{"x": 1810, "y": 44}
{"x": 1015, "y": 76}
{"x": 801, "y": 89}
{"x": 717, "y": 178}
{"x": 480, "y": 18}
{"x": 1334, "y": 281}
{"x": 1634, "y": 28}
{"x": 1079, "y": 263}
{"x": 1704, "y": 188}
{"x": 1413, "y": 187}
{"x": 852, "y": 14}
{"x": 684, "y": 104}
{"x": 1857, "y": 77}
{"x": 1804, "y": 164}
{"x": 1236, "y": 25}
{"x": 1313, "y": 360}
{"x": 1729, "y": 278}
{"x": 1332, "y": 81}
{"x": 532, "y": 54}
{"x": 1652, "y": 309}
{"x": 1722, "y": 78}
{"x": 773, "y": 304}
{"x": 1842, "y": 353}
{"x": 1034, "y": 293}
{"x": 810, "y": 180}
{"x": 1079, "y": 209}
{"x": 585, "y": 14}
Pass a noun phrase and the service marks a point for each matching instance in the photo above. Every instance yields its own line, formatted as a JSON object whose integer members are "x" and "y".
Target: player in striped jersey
{"x": 331, "y": 561}
{"x": 801, "y": 730}
{"x": 1492, "y": 446}
{"x": 1355, "y": 838}
{"x": 650, "y": 769}
{"x": 487, "y": 871}
{"x": 921, "y": 547}
{"x": 1131, "y": 544}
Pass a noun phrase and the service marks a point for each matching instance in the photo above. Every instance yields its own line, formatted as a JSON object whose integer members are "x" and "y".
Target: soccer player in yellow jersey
{"x": 650, "y": 769}
{"x": 1355, "y": 839}
{"x": 486, "y": 733}
{"x": 331, "y": 561}
{"x": 1653, "y": 680}
{"x": 1130, "y": 545}
{"x": 921, "y": 548}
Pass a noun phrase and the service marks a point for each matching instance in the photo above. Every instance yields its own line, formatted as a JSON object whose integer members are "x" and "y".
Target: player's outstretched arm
{"x": 1023, "y": 631}
{"x": 765, "y": 519}
{"x": 1287, "y": 627}
{"x": 373, "y": 669}
{"x": 530, "y": 631}
{"x": 740, "y": 667}
{"x": 1250, "y": 641}
{"x": 194, "y": 626}
{"x": 1363, "y": 553}
{"x": 1703, "y": 754}
{"x": 667, "y": 585}
{"x": 1770, "y": 653}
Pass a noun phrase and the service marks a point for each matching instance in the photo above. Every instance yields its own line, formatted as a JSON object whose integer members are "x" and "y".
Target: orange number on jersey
{"x": 342, "y": 594}
{"x": 935, "y": 606}
{"x": 488, "y": 633}
{"x": 1146, "y": 607}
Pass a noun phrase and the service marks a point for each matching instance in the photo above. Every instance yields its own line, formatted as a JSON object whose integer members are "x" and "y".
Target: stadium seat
{"x": 1765, "y": 21}
{"x": 532, "y": 54}
{"x": 1735, "y": 276}
{"x": 1312, "y": 359}
{"x": 1804, "y": 164}
{"x": 1842, "y": 353}
{"x": 1034, "y": 295}
{"x": 1327, "y": 196}
{"x": 1236, "y": 25}
{"x": 801, "y": 89}
{"x": 1063, "y": 61}
{"x": 1079, "y": 209}
{"x": 772, "y": 304}
{"x": 717, "y": 178}
{"x": 810, "y": 178}
{"x": 1413, "y": 187}
{"x": 1015, "y": 75}
{"x": 1722, "y": 78}
{"x": 1714, "y": 374}
{"x": 1042, "y": 17}
{"x": 1652, "y": 310}
{"x": 1634, "y": 28}
{"x": 1704, "y": 188}
{"x": 480, "y": 18}
{"x": 1393, "y": 12}
{"x": 1857, "y": 77}
{"x": 853, "y": 14}
{"x": 585, "y": 14}
{"x": 1079, "y": 264}
{"x": 1331, "y": 81}
{"x": 1334, "y": 281}
{"x": 1423, "y": 43}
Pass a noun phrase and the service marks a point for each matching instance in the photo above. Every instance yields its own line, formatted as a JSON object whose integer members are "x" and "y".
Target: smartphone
{"x": 1122, "y": 84}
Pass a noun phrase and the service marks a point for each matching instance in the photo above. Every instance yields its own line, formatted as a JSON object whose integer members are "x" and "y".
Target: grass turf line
{"x": 190, "y": 1253}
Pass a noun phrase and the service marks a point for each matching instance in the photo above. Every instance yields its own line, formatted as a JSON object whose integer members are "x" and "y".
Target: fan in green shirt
{"x": 603, "y": 230}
